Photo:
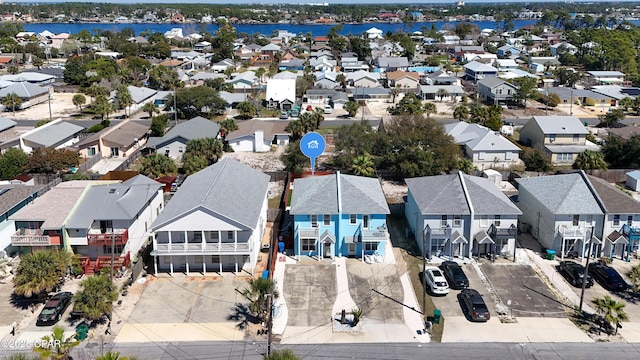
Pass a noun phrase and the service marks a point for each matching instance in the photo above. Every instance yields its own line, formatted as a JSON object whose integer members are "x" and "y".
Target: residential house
{"x": 56, "y": 134}
{"x": 589, "y": 99}
{"x": 222, "y": 65}
{"x": 339, "y": 215}
{"x": 484, "y": 147}
{"x": 372, "y": 93}
{"x": 605, "y": 77}
{"x": 174, "y": 142}
{"x": 120, "y": 140}
{"x": 561, "y": 137}
{"x": 508, "y": 52}
{"x": 202, "y": 46}
{"x": 562, "y": 48}
{"x": 326, "y": 80}
{"x": 460, "y": 215}
{"x": 403, "y": 80}
{"x": 561, "y": 211}
{"x": 374, "y": 33}
{"x": 30, "y": 94}
{"x": 219, "y": 230}
{"x": 201, "y": 77}
{"x": 387, "y": 64}
{"x": 12, "y": 199}
{"x": 139, "y": 97}
{"x": 58, "y": 39}
{"x": 287, "y": 75}
{"x": 621, "y": 228}
{"x": 37, "y": 78}
{"x": 232, "y": 99}
{"x": 323, "y": 64}
{"x": 539, "y": 65}
{"x": 633, "y": 180}
{"x": 113, "y": 220}
{"x": 505, "y": 64}
{"x": 475, "y": 71}
{"x": 292, "y": 64}
{"x": 6, "y": 129}
{"x": 40, "y": 224}
{"x": 258, "y": 135}
{"x": 244, "y": 80}
{"x": 281, "y": 94}
{"x": 493, "y": 90}
{"x": 363, "y": 79}
{"x": 433, "y": 92}
{"x": 270, "y": 49}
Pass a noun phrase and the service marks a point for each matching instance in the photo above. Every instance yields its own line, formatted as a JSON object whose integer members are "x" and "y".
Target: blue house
{"x": 508, "y": 51}
{"x": 339, "y": 215}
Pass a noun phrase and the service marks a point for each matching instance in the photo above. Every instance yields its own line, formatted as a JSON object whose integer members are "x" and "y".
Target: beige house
{"x": 118, "y": 141}
{"x": 561, "y": 137}
{"x": 403, "y": 80}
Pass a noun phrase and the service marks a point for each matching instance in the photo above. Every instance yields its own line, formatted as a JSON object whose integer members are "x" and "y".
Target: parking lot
{"x": 310, "y": 291}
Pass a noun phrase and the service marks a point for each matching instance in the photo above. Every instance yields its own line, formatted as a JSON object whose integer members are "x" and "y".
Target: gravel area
{"x": 394, "y": 191}
{"x": 268, "y": 161}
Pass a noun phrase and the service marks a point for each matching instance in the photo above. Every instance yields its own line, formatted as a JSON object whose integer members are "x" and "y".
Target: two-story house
{"x": 606, "y": 77}
{"x": 12, "y": 199}
{"x": 214, "y": 222}
{"x": 339, "y": 215}
{"x": 493, "y": 90}
{"x": 561, "y": 137}
{"x": 113, "y": 219}
{"x": 475, "y": 71}
{"x": 459, "y": 215}
{"x": 484, "y": 147}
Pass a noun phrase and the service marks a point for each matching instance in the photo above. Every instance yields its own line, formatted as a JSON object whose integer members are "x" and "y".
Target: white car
{"x": 327, "y": 109}
{"x": 436, "y": 282}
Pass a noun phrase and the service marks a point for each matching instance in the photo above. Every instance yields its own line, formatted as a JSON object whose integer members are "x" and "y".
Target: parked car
{"x": 54, "y": 308}
{"x": 436, "y": 282}
{"x": 284, "y": 115}
{"x": 455, "y": 275}
{"x": 474, "y": 305}
{"x": 607, "y": 276}
{"x": 574, "y": 273}
{"x": 327, "y": 109}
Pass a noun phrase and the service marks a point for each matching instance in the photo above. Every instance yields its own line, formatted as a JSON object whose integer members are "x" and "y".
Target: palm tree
{"x": 257, "y": 293}
{"x": 342, "y": 80}
{"x": 461, "y": 113}
{"x": 150, "y": 108}
{"x": 123, "y": 96}
{"x": 634, "y": 275}
{"x": 613, "y": 311}
{"x": 295, "y": 129}
{"x": 158, "y": 165}
{"x": 226, "y": 126}
{"x": 58, "y": 346}
{"x": 430, "y": 108}
{"x": 590, "y": 159}
{"x": 260, "y": 72}
{"x": 96, "y": 298}
{"x": 11, "y": 101}
{"x": 286, "y": 354}
{"x": 442, "y": 93}
{"x": 38, "y": 273}
{"x": 206, "y": 148}
{"x": 363, "y": 165}
{"x": 79, "y": 100}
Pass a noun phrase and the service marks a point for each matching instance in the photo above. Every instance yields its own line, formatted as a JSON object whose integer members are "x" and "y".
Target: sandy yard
{"x": 61, "y": 106}
{"x": 268, "y": 161}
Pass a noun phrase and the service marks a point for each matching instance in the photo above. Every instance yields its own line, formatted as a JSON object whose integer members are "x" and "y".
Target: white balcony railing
{"x": 176, "y": 248}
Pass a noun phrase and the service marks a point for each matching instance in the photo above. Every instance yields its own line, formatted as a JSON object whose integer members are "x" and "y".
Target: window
{"x": 565, "y": 157}
{"x": 576, "y": 219}
{"x": 576, "y": 138}
{"x": 365, "y": 221}
{"x": 197, "y": 236}
{"x": 115, "y": 152}
{"x": 496, "y": 220}
{"x": 106, "y": 249}
{"x": 482, "y": 155}
{"x": 630, "y": 220}
{"x": 369, "y": 246}
{"x": 91, "y": 151}
{"x": 616, "y": 220}
{"x": 457, "y": 220}
{"x": 180, "y": 150}
{"x": 230, "y": 235}
{"x": 314, "y": 221}
{"x": 197, "y": 259}
{"x": 215, "y": 259}
{"x": 146, "y": 227}
{"x": 308, "y": 244}
{"x": 352, "y": 248}
{"x": 353, "y": 218}
{"x": 484, "y": 221}
{"x": 215, "y": 236}
{"x": 552, "y": 137}
{"x": 443, "y": 221}
{"x": 106, "y": 226}
{"x": 326, "y": 219}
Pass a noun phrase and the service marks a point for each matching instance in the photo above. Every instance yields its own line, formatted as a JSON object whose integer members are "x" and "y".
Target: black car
{"x": 54, "y": 308}
{"x": 574, "y": 273}
{"x": 608, "y": 277}
{"x": 455, "y": 276}
{"x": 474, "y": 305}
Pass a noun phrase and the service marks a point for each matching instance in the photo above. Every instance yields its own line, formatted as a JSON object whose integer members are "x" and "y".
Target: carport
{"x": 460, "y": 240}
{"x": 482, "y": 238}
{"x": 615, "y": 244}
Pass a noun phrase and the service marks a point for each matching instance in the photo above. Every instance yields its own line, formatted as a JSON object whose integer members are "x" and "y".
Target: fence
{"x": 88, "y": 164}
{"x": 48, "y": 186}
{"x": 128, "y": 161}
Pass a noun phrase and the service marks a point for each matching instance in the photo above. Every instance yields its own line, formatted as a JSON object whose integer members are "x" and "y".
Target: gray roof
{"x": 6, "y": 124}
{"x": 196, "y": 128}
{"x": 438, "y": 195}
{"x": 393, "y": 62}
{"x": 487, "y": 199}
{"x": 478, "y": 66}
{"x": 433, "y": 89}
{"x": 54, "y": 134}
{"x": 227, "y": 188}
{"x": 24, "y": 90}
{"x": 138, "y": 94}
{"x": 14, "y": 196}
{"x": 55, "y": 205}
{"x": 566, "y": 194}
{"x": 560, "y": 125}
{"x": 614, "y": 200}
{"x": 493, "y": 81}
{"x": 319, "y": 195}
{"x": 113, "y": 202}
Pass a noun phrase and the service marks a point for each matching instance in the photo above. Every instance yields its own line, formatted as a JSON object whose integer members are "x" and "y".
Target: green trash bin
{"x": 437, "y": 314}
{"x": 81, "y": 331}
{"x": 551, "y": 254}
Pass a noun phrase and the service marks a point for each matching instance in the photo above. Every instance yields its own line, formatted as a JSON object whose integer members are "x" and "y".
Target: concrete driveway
{"x": 376, "y": 290}
{"x": 309, "y": 291}
{"x": 529, "y": 296}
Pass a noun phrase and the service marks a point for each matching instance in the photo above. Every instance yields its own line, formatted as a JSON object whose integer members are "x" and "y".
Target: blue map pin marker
{"x": 312, "y": 145}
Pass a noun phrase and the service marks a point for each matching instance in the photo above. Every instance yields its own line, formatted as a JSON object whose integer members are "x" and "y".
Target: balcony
{"x": 308, "y": 233}
{"x": 633, "y": 233}
{"x": 503, "y": 233}
{"x": 26, "y": 237}
{"x": 118, "y": 236}
{"x": 374, "y": 235}
{"x": 201, "y": 248}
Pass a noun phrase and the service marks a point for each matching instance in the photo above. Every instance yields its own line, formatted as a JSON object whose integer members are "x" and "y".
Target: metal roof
{"x": 54, "y": 134}
{"x": 560, "y": 125}
{"x": 24, "y": 90}
{"x": 6, "y": 124}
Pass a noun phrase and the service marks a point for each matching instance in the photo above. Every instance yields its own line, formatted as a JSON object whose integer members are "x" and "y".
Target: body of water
{"x": 265, "y": 29}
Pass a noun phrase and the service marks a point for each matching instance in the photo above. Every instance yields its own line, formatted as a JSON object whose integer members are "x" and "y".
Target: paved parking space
{"x": 529, "y": 295}
{"x": 385, "y": 303}
{"x": 450, "y": 306}
{"x": 310, "y": 291}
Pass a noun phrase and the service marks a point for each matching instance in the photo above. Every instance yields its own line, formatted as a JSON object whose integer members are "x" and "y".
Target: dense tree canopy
{"x": 13, "y": 162}
{"x": 198, "y": 101}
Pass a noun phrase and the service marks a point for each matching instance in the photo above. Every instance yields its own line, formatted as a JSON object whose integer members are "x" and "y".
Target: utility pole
{"x": 571, "y": 103}
{"x": 113, "y": 250}
{"x": 50, "y": 114}
{"x": 586, "y": 270}
{"x": 269, "y": 321}
{"x": 424, "y": 280}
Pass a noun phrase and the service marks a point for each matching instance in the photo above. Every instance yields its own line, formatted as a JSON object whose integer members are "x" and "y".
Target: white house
{"x": 281, "y": 93}
{"x": 258, "y": 135}
{"x": 484, "y": 147}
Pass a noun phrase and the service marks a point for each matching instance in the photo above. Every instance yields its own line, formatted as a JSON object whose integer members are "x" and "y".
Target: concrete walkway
{"x": 343, "y": 299}
{"x": 281, "y": 315}
{"x": 412, "y": 317}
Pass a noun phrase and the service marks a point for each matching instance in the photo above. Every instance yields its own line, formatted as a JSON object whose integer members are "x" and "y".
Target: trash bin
{"x": 551, "y": 254}
{"x": 265, "y": 274}
{"x": 81, "y": 331}
{"x": 437, "y": 314}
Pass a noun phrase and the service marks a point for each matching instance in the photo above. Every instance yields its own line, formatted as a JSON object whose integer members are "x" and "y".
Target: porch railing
{"x": 24, "y": 237}
{"x": 167, "y": 248}
{"x": 117, "y": 236}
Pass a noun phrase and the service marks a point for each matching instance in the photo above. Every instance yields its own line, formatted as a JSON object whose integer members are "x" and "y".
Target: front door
{"x": 326, "y": 250}
{"x": 351, "y": 250}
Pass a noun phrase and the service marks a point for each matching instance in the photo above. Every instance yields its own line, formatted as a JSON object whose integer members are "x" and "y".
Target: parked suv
{"x": 54, "y": 308}
{"x": 607, "y": 276}
{"x": 436, "y": 282}
{"x": 474, "y": 306}
{"x": 454, "y": 274}
{"x": 574, "y": 273}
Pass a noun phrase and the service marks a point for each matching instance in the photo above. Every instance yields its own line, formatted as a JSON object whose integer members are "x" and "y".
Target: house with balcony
{"x": 561, "y": 137}
{"x": 475, "y": 71}
{"x": 113, "y": 219}
{"x": 493, "y": 90}
{"x": 339, "y": 215}
{"x": 484, "y": 147}
{"x": 12, "y": 199}
{"x": 460, "y": 215}
{"x": 214, "y": 222}
{"x": 562, "y": 212}
{"x": 40, "y": 224}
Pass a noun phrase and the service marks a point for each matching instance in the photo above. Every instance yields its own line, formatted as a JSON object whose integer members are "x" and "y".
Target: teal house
{"x": 339, "y": 215}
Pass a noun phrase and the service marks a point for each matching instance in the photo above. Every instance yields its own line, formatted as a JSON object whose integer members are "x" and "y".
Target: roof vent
{"x": 112, "y": 191}
{"x": 564, "y": 128}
